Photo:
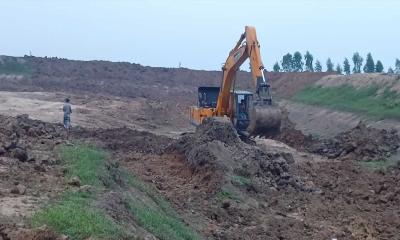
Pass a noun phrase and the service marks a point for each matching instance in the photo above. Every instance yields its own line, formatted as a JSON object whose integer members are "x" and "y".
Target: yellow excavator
{"x": 251, "y": 113}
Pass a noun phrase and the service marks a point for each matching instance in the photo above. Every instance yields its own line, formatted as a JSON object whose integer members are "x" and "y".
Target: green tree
{"x": 369, "y": 64}
{"x": 339, "y": 69}
{"x": 346, "y": 66}
{"x": 308, "y": 57}
{"x": 287, "y": 63}
{"x": 357, "y": 60}
{"x": 329, "y": 65}
{"x": 379, "y": 67}
{"x": 277, "y": 68}
{"x": 390, "y": 71}
{"x": 318, "y": 66}
{"x": 397, "y": 67}
{"x": 298, "y": 62}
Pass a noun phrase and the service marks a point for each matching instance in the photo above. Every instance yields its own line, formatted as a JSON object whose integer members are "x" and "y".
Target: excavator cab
{"x": 241, "y": 116}
{"x": 208, "y": 97}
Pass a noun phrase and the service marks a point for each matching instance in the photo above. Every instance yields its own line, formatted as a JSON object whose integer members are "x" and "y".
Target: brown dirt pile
{"x": 29, "y": 170}
{"x": 382, "y": 80}
{"x": 290, "y": 135}
{"x": 285, "y": 85}
{"x": 360, "y": 143}
{"x": 23, "y": 138}
{"x": 126, "y": 139}
{"x": 215, "y": 148}
{"x": 42, "y": 233}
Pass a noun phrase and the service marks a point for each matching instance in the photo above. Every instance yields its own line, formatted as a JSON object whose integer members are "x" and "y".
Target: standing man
{"x": 67, "y": 109}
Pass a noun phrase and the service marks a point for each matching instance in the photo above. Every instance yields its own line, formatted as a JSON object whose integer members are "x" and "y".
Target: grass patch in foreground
{"x": 160, "y": 223}
{"x": 365, "y": 100}
{"x": 163, "y": 222}
{"x": 151, "y": 193}
{"x": 240, "y": 180}
{"x": 85, "y": 162}
{"x": 73, "y": 214}
{"x": 226, "y": 194}
{"x": 74, "y": 217}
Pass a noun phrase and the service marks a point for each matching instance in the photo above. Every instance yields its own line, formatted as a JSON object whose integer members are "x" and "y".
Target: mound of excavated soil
{"x": 42, "y": 233}
{"x": 20, "y": 134}
{"x": 290, "y": 135}
{"x": 216, "y": 148}
{"x": 360, "y": 143}
{"x": 126, "y": 139}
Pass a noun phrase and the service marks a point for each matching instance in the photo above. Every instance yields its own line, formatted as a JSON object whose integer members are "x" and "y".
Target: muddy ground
{"x": 292, "y": 187}
{"x": 223, "y": 187}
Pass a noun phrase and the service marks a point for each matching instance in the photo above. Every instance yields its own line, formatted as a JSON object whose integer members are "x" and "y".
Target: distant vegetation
{"x": 364, "y": 100}
{"x": 13, "y": 65}
{"x": 295, "y": 63}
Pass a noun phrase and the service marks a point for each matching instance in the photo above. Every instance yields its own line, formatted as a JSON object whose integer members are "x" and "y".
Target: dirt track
{"x": 221, "y": 186}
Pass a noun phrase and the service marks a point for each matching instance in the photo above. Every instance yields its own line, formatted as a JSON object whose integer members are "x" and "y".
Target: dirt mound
{"x": 42, "y": 233}
{"x": 28, "y": 168}
{"x": 215, "y": 148}
{"x": 126, "y": 139}
{"x": 19, "y": 135}
{"x": 383, "y": 81}
{"x": 361, "y": 143}
{"x": 285, "y": 85}
{"x": 290, "y": 135}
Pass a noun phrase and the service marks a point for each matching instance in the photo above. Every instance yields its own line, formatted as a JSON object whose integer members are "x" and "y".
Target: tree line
{"x": 299, "y": 63}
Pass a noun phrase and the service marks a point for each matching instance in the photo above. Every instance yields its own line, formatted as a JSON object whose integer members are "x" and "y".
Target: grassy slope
{"x": 368, "y": 101}
{"x": 75, "y": 215}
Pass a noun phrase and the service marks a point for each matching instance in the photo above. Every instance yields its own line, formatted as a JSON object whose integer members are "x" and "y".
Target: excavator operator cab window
{"x": 243, "y": 100}
{"x": 208, "y": 96}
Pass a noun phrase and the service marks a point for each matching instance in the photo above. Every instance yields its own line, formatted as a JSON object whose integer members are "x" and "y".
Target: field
{"x": 134, "y": 168}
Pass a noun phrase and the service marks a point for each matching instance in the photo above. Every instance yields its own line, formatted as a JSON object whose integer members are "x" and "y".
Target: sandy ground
{"x": 88, "y": 111}
{"x": 114, "y": 112}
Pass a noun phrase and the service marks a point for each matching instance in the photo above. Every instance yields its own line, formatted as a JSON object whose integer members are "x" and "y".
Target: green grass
{"x": 151, "y": 193}
{"x": 73, "y": 214}
{"x": 226, "y": 194}
{"x": 381, "y": 164}
{"x": 75, "y": 217}
{"x": 163, "y": 225}
{"x": 85, "y": 162}
{"x": 10, "y": 65}
{"x": 365, "y": 100}
{"x": 240, "y": 180}
{"x": 162, "y": 221}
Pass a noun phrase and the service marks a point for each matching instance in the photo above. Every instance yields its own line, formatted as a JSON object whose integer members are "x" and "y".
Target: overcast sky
{"x": 199, "y": 34}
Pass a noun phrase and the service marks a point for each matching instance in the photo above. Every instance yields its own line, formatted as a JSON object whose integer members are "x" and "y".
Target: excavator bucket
{"x": 265, "y": 121}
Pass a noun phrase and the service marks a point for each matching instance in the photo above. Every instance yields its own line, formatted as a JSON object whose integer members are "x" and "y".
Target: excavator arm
{"x": 247, "y": 47}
